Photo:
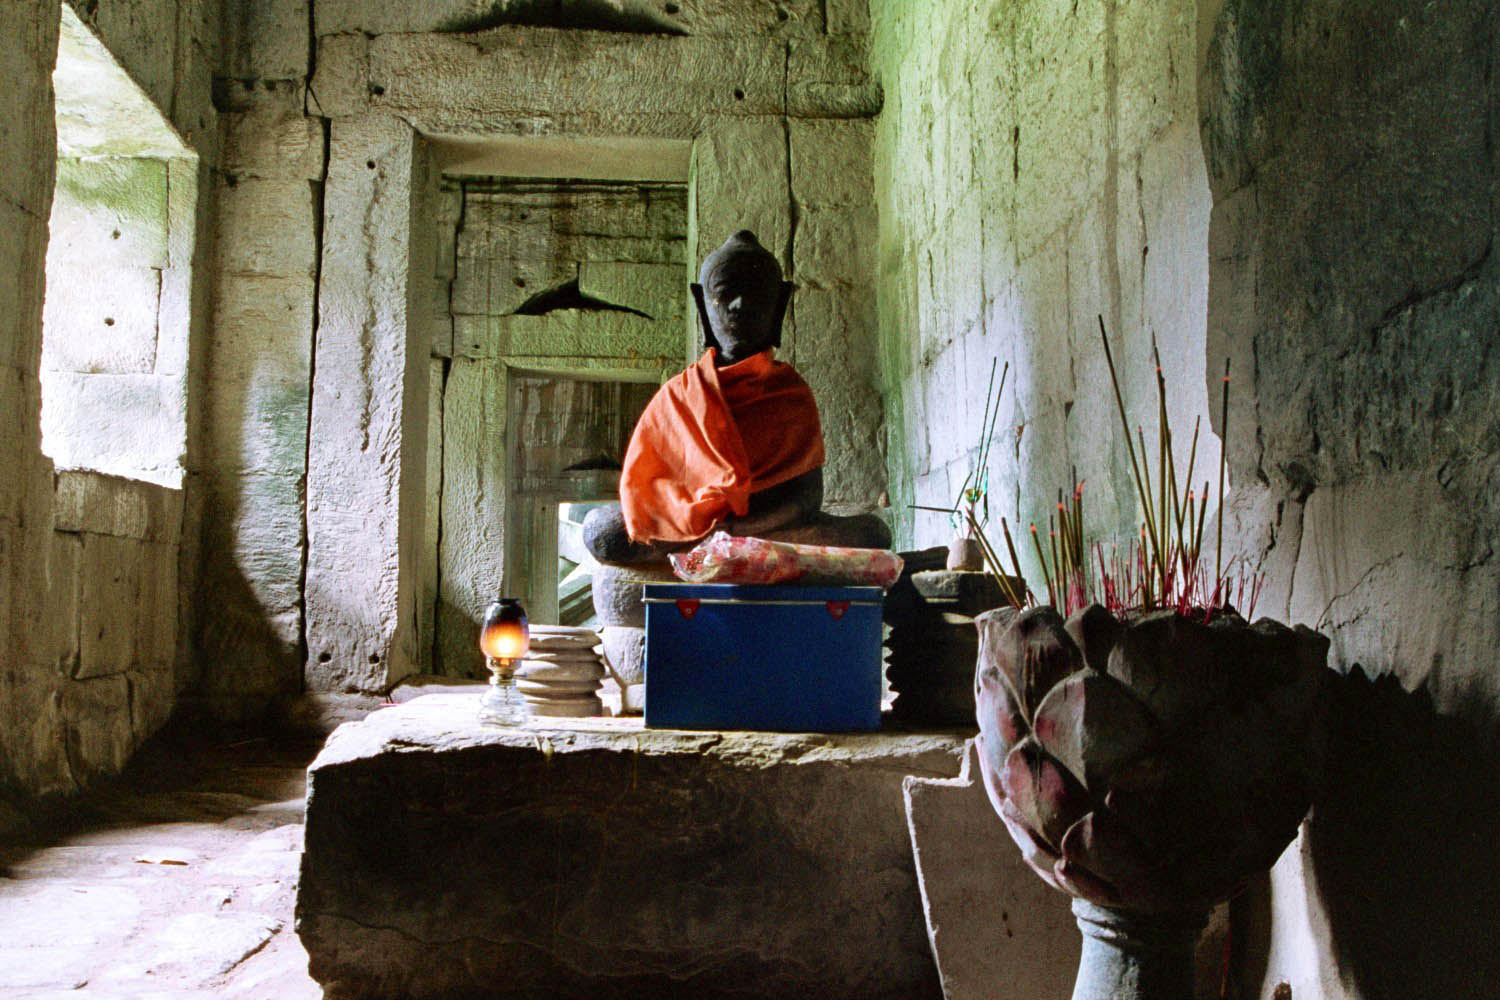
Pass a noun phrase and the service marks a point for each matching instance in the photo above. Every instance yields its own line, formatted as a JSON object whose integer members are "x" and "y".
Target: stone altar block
{"x": 595, "y": 858}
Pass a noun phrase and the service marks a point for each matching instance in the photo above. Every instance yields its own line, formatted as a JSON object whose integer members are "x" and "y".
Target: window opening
{"x": 118, "y": 272}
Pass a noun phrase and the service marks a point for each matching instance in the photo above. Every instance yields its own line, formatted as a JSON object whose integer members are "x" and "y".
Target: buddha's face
{"x": 743, "y": 298}
{"x": 742, "y": 294}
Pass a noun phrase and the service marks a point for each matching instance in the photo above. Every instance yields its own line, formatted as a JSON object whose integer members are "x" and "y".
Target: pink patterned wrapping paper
{"x": 726, "y": 558}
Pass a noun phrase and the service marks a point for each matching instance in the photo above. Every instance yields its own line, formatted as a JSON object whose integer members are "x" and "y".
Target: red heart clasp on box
{"x": 688, "y": 606}
{"x": 837, "y": 609}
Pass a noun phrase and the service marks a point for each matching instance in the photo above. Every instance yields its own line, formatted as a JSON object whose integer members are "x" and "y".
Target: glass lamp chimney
{"x": 503, "y": 638}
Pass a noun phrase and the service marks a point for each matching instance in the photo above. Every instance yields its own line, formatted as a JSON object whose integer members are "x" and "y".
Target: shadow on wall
{"x": 247, "y": 656}
{"x": 1403, "y": 841}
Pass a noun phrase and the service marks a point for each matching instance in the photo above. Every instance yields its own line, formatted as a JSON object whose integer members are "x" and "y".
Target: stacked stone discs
{"x": 560, "y": 674}
{"x": 933, "y": 646}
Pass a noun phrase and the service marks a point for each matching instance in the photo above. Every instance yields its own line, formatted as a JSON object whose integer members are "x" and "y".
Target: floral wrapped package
{"x": 726, "y": 558}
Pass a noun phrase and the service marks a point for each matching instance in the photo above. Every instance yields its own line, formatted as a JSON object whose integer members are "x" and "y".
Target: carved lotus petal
{"x": 1095, "y": 631}
{"x": 1020, "y": 657}
{"x": 1118, "y": 862}
{"x": 1047, "y": 797}
{"x": 1036, "y": 854}
{"x": 998, "y": 707}
{"x": 1093, "y": 725}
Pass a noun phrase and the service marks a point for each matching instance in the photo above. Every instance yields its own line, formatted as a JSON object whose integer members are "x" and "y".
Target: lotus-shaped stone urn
{"x": 1147, "y": 766}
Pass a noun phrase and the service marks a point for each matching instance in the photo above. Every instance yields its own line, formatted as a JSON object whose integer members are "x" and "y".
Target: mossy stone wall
{"x": 1037, "y": 165}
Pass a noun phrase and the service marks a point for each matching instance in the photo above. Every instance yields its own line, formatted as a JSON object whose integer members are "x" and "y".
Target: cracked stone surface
{"x": 595, "y": 858}
{"x": 176, "y": 881}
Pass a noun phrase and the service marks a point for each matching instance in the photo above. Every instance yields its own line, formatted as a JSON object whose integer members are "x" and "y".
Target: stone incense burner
{"x": 1147, "y": 767}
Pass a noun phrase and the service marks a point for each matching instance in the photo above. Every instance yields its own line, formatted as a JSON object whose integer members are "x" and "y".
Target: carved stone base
{"x": 1136, "y": 956}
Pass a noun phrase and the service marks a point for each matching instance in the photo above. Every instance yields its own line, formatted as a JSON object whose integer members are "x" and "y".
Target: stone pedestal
{"x": 593, "y": 858}
{"x": 933, "y": 644}
{"x": 1136, "y": 956}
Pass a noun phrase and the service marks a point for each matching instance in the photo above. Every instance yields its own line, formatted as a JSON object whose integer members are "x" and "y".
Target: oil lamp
{"x": 503, "y": 638}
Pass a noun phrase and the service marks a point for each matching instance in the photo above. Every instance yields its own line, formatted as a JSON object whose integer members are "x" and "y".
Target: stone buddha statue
{"x": 734, "y": 442}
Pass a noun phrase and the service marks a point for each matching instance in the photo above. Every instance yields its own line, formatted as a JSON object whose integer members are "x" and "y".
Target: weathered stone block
{"x": 742, "y": 173}
{"x": 847, "y": 17}
{"x": 543, "y": 71}
{"x": 831, "y": 164}
{"x": 262, "y": 357}
{"x": 341, "y": 86}
{"x": 658, "y": 290}
{"x": 64, "y": 599}
{"x": 573, "y": 332}
{"x": 34, "y": 736}
{"x": 253, "y": 540}
{"x": 96, "y": 715}
{"x": 677, "y": 846}
{"x": 471, "y": 287}
{"x": 998, "y": 932}
{"x": 472, "y": 552}
{"x": 156, "y": 608}
{"x": 267, "y": 227}
{"x": 101, "y": 318}
{"x": 125, "y": 425}
{"x": 108, "y": 505}
{"x": 111, "y": 569}
{"x": 151, "y": 700}
{"x": 174, "y": 320}
{"x": 274, "y": 140}
{"x": 833, "y": 249}
{"x": 364, "y": 490}
{"x": 267, "y": 39}
{"x": 827, "y": 78}
{"x": 111, "y": 210}
{"x": 134, "y": 34}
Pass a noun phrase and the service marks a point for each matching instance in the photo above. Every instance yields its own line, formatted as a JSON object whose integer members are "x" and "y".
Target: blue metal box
{"x": 740, "y": 656}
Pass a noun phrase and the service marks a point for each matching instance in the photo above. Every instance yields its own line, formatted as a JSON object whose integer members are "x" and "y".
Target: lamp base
{"x": 501, "y": 704}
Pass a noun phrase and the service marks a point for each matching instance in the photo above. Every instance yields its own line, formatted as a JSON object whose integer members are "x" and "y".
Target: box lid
{"x": 751, "y": 593}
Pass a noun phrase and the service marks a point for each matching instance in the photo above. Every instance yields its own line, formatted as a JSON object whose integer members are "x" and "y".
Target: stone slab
{"x": 599, "y": 859}
{"x": 101, "y": 318}
{"x": 127, "y": 425}
{"x": 109, "y": 505}
{"x": 998, "y": 931}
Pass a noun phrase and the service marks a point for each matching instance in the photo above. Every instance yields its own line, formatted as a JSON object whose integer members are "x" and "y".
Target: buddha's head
{"x": 741, "y": 298}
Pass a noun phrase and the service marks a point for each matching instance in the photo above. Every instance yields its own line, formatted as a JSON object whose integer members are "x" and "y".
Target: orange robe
{"x": 709, "y": 438}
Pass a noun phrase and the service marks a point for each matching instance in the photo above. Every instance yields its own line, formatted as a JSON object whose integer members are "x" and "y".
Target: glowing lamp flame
{"x": 504, "y": 634}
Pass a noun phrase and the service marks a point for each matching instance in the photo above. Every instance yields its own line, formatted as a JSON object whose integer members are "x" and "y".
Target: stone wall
{"x": 90, "y": 601}
{"x": 30, "y": 713}
{"x": 113, "y": 607}
{"x": 1353, "y": 165}
{"x": 1037, "y": 166}
{"x": 582, "y": 279}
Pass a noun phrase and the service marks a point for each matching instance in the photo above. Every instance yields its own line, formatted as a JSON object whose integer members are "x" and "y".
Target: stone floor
{"x": 175, "y": 881}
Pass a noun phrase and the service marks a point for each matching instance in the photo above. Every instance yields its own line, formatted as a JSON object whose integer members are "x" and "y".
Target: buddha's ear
{"x": 709, "y": 340}
{"x": 780, "y": 315}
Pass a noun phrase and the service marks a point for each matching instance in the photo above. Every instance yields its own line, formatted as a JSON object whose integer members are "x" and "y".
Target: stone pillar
{"x": 366, "y": 449}
{"x": 1135, "y": 956}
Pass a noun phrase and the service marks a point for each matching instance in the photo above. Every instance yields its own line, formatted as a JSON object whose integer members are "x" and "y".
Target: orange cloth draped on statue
{"x": 709, "y": 438}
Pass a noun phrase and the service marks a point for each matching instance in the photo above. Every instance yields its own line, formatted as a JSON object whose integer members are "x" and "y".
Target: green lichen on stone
{"x": 133, "y": 188}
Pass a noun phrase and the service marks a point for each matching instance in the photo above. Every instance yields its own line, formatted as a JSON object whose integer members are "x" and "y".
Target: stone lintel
{"x": 598, "y": 858}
